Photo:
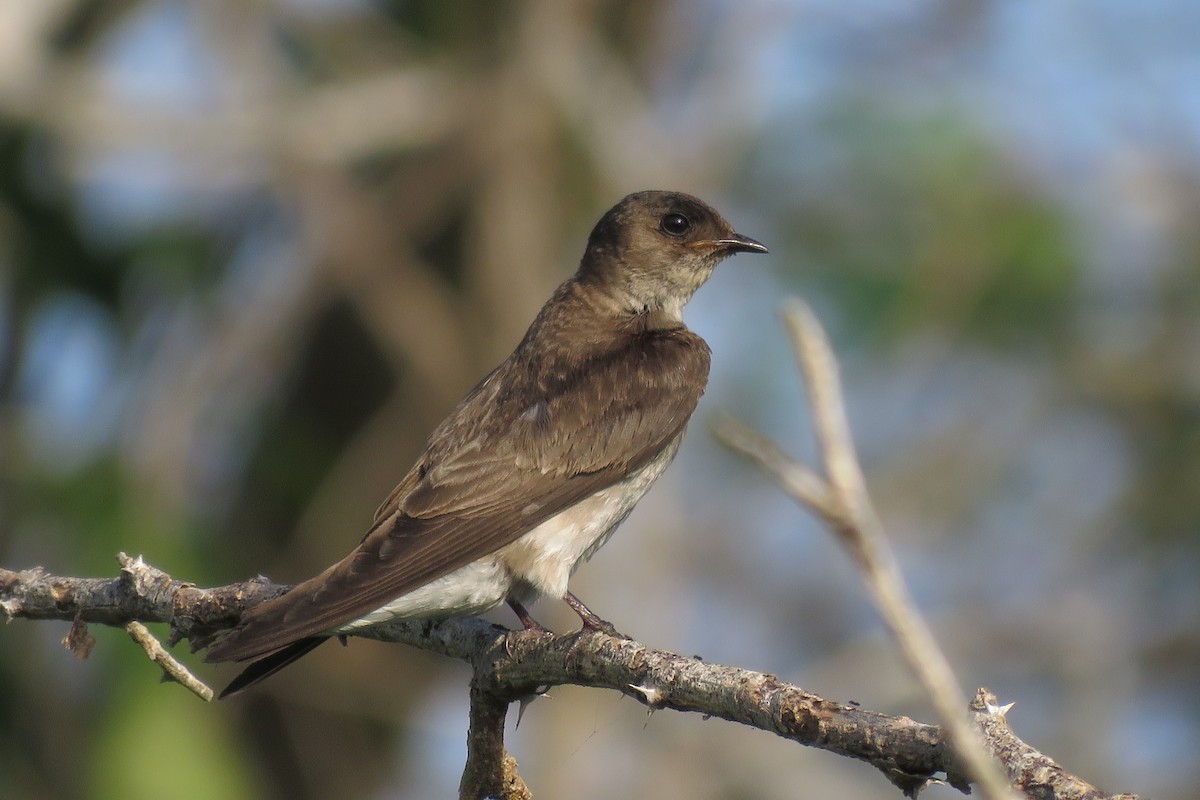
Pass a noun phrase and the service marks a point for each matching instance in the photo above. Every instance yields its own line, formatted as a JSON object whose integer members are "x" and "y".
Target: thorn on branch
{"x": 11, "y": 609}
{"x": 524, "y": 701}
{"x": 651, "y": 695}
{"x": 1000, "y": 711}
{"x": 148, "y": 581}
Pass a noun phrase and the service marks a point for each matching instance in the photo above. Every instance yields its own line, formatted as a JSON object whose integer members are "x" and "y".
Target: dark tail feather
{"x": 267, "y": 666}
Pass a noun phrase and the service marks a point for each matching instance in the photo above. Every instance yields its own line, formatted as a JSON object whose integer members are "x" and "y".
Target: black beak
{"x": 741, "y": 244}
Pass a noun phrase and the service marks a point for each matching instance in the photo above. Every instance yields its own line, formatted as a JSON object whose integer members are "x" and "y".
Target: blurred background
{"x": 251, "y": 253}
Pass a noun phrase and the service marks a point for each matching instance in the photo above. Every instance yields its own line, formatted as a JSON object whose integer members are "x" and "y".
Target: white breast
{"x": 539, "y": 563}
{"x": 545, "y": 558}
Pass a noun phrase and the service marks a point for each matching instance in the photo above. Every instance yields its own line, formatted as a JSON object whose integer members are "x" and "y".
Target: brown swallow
{"x": 537, "y": 466}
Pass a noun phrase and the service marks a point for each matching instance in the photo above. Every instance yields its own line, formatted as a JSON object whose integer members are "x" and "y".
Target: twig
{"x": 796, "y": 479}
{"x": 843, "y": 501}
{"x": 172, "y": 669}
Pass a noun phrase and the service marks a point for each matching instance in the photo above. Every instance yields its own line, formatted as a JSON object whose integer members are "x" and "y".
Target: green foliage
{"x": 39, "y": 231}
{"x": 914, "y": 225}
{"x": 157, "y": 741}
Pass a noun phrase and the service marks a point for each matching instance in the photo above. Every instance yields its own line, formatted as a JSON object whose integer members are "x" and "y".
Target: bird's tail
{"x": 268, "y": 665}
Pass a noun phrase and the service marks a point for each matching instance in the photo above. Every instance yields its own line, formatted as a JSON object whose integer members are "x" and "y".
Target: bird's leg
{"x": 590, "y": 620}
{"x": 528, "y": 622}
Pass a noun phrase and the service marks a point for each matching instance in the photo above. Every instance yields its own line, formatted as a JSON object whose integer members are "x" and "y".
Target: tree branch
{"x": 490, "y": 771}
{"x": 512, "y": 665}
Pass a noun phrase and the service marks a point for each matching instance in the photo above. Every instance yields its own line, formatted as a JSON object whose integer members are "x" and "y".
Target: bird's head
{"x": 653, "y": 250}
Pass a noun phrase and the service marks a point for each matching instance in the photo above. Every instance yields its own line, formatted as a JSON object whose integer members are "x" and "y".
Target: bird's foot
{"x": 531, "y": 629}
{"x": 591, "y": 622}
{"x": 527, "y": 621}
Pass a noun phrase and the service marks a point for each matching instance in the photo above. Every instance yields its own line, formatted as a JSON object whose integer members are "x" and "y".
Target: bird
{"x": 532, "y": 471}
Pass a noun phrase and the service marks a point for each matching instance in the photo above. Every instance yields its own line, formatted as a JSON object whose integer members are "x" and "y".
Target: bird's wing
{"x": 498, "y": 467}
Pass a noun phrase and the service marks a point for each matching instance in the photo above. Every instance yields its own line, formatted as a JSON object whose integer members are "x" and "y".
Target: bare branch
{"x": 510, "y": 665}
{"x": 490, "y": 770}
{"x": 907, "y": 752}
{"x": 844, "y": 503}
{"x": 1037, "y": 774}
{"x": 864, "y": 533}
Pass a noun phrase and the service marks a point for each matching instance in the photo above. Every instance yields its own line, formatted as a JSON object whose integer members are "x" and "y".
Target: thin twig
{"x": 843, "y": 501}
{"x": 869, "y": 542}
{"x": 815, "y": 359}
{"x": 798, "y": 480}
{"x": 172, "y": 669}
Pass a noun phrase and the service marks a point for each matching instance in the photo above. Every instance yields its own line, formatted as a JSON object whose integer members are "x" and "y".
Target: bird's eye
{"x": 675, "y": 224}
